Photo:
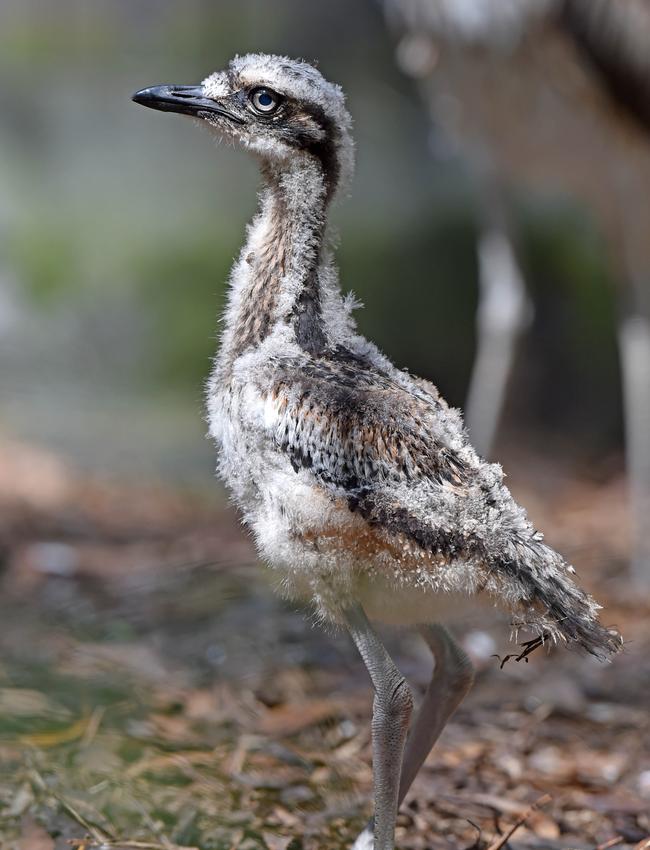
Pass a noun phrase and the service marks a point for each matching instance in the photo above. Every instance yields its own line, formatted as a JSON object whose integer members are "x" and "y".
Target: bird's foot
{"x": 365, "y": 840}
{"x": 528, "y": 647}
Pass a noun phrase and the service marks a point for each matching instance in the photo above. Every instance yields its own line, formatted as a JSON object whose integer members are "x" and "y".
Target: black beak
{"x": 187, "y": 100}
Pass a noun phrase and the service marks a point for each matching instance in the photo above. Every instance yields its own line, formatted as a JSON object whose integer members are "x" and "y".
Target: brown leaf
{"x": 34, "y": 837}
{"x": 288, "y": 719}
{"x": 276, "y": 842}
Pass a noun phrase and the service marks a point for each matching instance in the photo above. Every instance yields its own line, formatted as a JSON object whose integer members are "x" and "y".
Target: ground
{"x": 156, "y": 693}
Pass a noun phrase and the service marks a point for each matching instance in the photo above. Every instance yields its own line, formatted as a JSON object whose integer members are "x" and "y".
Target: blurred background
{"x": 153, "y": 687}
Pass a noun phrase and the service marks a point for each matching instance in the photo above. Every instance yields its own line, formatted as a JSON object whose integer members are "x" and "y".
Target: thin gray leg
{"x": 634, "y": 342}
{"x": 390, "y": 719}
{"x": 452, "y": 679}
{"x": 503, "y": 313}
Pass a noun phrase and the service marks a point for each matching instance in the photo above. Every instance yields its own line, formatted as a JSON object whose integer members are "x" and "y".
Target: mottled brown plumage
{"x": 357, "y": 480}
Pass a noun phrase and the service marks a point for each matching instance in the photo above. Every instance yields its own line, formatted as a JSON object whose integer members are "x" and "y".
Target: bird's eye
{"x": 264, "y": 100}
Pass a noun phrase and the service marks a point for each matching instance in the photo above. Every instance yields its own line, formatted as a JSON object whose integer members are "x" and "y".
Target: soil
{"x": 156, "y": 693}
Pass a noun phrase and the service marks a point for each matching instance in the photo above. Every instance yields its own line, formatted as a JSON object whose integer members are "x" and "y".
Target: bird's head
{"x": 281, "y": 109}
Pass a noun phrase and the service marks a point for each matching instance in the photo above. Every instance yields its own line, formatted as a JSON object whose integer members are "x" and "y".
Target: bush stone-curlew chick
{"x": 356, "y": 478}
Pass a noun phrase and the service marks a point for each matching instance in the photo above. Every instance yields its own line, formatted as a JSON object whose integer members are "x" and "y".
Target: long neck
{"x": 276, "y": 279}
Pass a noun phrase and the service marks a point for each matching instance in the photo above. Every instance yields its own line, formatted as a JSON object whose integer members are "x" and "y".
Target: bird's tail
{"x": 539, "y": 587}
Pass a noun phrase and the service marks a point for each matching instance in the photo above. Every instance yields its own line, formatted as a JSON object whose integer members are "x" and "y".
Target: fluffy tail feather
{"x": 543, "y": 596}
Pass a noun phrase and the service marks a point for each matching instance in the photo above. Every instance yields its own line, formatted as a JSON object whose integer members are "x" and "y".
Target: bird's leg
{"x": 390, "y": 720}
{"x": 502, "y": 314}
{"x": 634, "y": 342}
{"x": 452, "y": 678}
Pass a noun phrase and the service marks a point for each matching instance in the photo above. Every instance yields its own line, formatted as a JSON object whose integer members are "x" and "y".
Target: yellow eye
{"x": 264, "y": 100}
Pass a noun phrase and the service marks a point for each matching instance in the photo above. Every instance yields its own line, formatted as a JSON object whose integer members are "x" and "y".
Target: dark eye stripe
{"x": 325, "y": 148}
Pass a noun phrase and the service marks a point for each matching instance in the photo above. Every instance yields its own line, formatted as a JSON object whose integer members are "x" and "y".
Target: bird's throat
{"x": 277, "y": 280}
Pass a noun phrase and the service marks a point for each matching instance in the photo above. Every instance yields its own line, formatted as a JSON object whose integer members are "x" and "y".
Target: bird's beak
{"x": 187, "y": 100}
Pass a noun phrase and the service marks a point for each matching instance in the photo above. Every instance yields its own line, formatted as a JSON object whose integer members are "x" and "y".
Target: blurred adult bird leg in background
{"x": 548, "y": 94}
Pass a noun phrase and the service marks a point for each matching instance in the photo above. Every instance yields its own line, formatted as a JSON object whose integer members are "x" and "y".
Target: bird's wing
{"x": 399, "y": 456}
{"x": 357, "y": 429}
{"x": 387, "y": 445}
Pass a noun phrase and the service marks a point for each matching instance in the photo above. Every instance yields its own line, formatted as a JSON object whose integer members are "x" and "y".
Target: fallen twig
{"x": 611, "y": 843}
{"x": 502, "y": 840}
{"x": 92, "y": 726}
{"x": 98, "y": 833}
{"x": 92, "y": 844}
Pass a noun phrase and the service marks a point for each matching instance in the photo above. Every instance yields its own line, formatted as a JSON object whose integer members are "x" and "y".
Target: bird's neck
{"x": 277, "y": 279}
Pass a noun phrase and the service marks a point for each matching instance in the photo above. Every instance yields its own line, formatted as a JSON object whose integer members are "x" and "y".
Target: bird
{"x": 547, "y": 94}
{"x": 356, "y": 479}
